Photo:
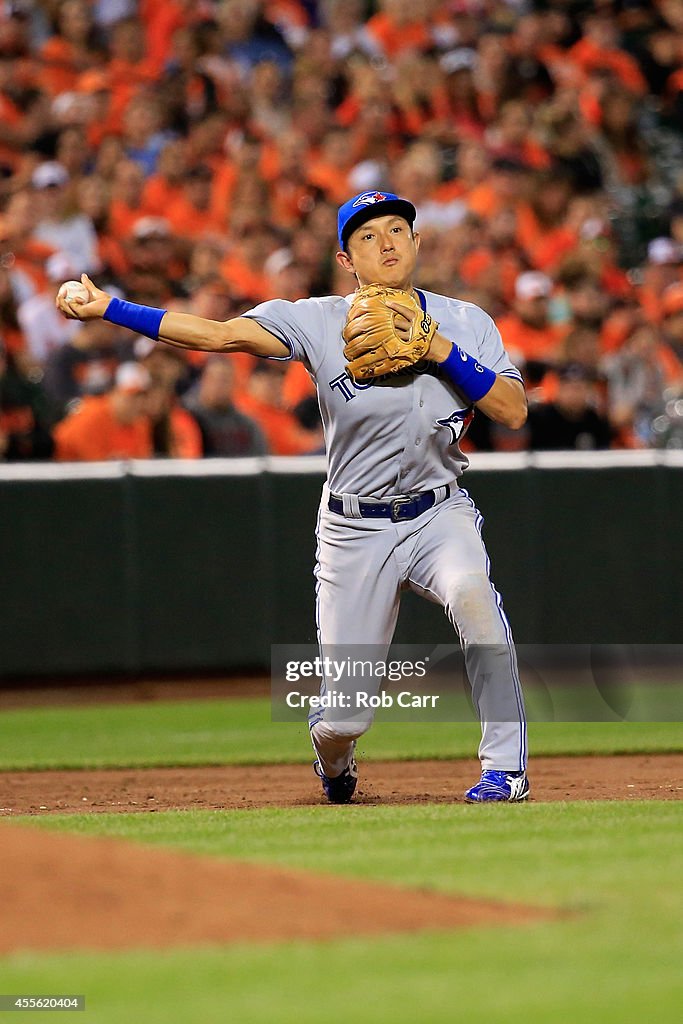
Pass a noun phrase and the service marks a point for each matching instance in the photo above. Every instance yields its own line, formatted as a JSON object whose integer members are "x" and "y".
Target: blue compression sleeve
{"x": 141, "y": 319}
{"x": 470, "y": 378}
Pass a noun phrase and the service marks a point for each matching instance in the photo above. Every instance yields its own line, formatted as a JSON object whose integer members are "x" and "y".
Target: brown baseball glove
{"x": 374, "y": 347}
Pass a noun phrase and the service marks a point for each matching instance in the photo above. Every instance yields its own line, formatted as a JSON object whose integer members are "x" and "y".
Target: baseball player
{"x": 399, "y": 372}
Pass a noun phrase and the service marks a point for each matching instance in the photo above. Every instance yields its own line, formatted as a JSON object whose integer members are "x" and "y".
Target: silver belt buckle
{"x": 396, "y": 505}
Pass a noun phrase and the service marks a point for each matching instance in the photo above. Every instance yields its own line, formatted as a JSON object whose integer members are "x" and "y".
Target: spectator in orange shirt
{"x": 72, "y": 50}
{"x": 396, "y": 28}
{"x": 190, "y": 214}
{"x": 598, "y": 49}
{"x": 126, "y": 205}
{"x": 129, "y": 63}
{"x": 264, "y": 401}
{"x": 506, "y": 187}
{"x": 472, "y": 168}
{"x": 542, "y": 230}
{"x": 111, "y": 426}
{"x": 330, "y": 172}
{"x": 497, "y": 262}
{"x": 243, "y": 270}
{"x": 672, "y": 318}
{"x": 527, "y": 329}
{"x": 663, "y": 268}
{"x": 164, "y": 187}
{"x": 511, "y": 135}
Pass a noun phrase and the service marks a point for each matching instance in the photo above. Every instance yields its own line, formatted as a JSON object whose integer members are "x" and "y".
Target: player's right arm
{"x": 184, "y": 330}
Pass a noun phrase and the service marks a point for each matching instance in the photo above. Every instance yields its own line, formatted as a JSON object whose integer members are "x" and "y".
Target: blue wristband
{"x": 141, "y": 319}
{"x": 470, "y": 378}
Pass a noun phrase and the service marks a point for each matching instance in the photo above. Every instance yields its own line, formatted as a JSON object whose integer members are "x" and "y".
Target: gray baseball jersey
{"x": 400, "y": 434}
{"x": 392, "y": 437}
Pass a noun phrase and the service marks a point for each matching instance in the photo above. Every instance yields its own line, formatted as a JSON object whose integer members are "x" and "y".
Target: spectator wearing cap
{"x": 115, "y": 425}
{"x": 43, "y": 326}
{"x": 25, "y": 414}
{"x": 570, "y": 421}
{"x": 154, "y": 267}
{"x": 225, "y": 430}
{"x": 457, "y": 104}
{"x": 663, "y": 268}
{"x": 528, "y": 329}
{"x": 57, "y": 225}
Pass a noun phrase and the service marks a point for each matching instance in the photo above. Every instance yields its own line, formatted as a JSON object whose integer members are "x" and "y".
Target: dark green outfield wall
{"x": 135, "y": 573}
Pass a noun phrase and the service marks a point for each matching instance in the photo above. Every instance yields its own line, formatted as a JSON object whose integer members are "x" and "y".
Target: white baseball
{"x": 71, "y": 290}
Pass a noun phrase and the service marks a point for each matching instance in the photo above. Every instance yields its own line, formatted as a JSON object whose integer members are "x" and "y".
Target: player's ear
{"x": 345, "y": 261}
{"x": 417, "y": 239}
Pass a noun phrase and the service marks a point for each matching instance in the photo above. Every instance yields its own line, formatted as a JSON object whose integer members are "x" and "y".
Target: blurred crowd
{"x": 191, "y": 154}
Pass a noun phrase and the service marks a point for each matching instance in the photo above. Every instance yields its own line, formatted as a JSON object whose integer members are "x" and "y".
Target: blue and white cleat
{"x": 340, "y": 789}
{"x": 500, "y": 787}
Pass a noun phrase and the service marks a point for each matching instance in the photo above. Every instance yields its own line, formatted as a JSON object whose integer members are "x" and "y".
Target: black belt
{"x": 405, "y": 507}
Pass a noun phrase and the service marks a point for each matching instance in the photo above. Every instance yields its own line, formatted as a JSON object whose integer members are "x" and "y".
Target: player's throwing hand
{"x": 81, "y": 309}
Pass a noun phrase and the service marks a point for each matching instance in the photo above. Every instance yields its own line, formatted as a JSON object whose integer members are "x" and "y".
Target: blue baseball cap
{"x": 367, "y": 205}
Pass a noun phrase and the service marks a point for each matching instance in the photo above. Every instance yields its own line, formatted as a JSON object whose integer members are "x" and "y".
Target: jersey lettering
{"x": 346, "y": 385}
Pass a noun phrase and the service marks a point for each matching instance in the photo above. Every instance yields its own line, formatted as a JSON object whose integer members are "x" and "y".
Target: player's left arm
{"x": 504, "y": 400}
{"x": 491, "y": 382}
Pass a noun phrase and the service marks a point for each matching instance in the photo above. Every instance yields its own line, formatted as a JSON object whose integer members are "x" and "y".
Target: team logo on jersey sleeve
{"x": 368, "y": 198}
{"x": 457, "y": 423}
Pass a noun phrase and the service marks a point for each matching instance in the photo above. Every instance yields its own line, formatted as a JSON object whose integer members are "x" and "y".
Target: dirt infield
{"x": 625, "y": 777}
{"x": 111, "y": 894}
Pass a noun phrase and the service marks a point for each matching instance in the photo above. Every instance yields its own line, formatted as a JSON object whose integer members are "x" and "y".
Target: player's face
{"x": 382, "y": 251}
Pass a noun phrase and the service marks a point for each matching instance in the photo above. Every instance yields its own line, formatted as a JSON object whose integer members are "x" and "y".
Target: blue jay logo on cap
{"x": 368, "y": 198}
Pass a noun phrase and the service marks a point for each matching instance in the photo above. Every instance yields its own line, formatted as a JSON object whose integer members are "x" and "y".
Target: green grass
{"x": 241, "y": 732}
{"x": 616, "y": 958}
